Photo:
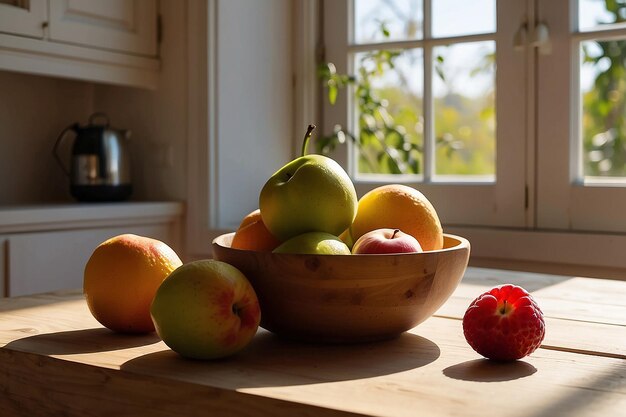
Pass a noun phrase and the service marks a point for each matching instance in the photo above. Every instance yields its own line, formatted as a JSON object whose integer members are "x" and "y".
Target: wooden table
{"x": 55, "y": 359}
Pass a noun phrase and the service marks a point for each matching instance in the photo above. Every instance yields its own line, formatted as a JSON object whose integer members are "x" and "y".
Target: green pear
{"x": 312, "y": 193}
{"x": 314, "y": 243}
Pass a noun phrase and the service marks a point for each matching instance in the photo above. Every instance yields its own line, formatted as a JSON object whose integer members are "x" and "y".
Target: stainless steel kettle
{"x": 100, "y": 160}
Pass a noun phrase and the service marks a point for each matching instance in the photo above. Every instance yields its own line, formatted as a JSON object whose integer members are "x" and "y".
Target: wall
{"x": 158, "y": 119}
{"x": 33, "y": 110}
{"x": 254, "y": 102}
{"x": 241, "y": 110}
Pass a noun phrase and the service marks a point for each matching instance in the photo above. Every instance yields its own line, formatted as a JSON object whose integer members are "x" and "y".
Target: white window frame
{"x": 502, "y": 203}
{"x": 565, "y": 201}
{"x": 539, "y": 240}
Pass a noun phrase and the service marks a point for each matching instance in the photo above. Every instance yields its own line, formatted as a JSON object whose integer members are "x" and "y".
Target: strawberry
{"x": 504, "y": 324}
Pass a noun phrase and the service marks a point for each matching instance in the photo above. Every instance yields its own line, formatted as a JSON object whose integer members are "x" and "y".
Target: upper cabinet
{"x": 112, "y": 41}
{"x": 23, "y": 17}
{"x": 119, "y": 25}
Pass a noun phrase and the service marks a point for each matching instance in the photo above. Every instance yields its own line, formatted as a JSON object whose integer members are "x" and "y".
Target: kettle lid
{"x": 98, "y": 124}
{"x": 102, "y": 117}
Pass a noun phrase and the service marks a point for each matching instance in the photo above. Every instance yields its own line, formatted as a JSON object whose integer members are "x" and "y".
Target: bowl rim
{"x": 463, "y": 243}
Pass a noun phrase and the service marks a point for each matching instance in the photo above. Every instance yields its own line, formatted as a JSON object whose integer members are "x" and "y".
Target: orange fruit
{"x": 398, "y": 206}
{"x": 121, "y": 278}
{"x": 253, "y": 235}
{"x": 251, "y": 217}
{"x": 346, "y": 237}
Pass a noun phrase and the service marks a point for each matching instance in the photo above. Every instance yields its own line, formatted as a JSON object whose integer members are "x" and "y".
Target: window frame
{"x": 565, "y": 201}
{"x": 541, "y": 241}
{"x": 502, "y": 203}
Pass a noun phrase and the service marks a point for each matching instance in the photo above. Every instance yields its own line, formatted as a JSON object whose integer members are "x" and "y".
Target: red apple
{"x": 386, "y": 241}
{"x": 206, "y": 309}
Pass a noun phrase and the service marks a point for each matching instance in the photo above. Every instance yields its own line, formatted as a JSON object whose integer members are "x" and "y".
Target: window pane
{"x": 389, "y": 108}
{"x": 464, "y": 108}
{"x": 593, "y": 13}
{"x": 603, "y": 99}
{"x": 403, "y": 19}
{"x": 462, "y": 17}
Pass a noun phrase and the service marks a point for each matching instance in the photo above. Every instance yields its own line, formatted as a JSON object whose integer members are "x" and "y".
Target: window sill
{"x": 548, "y": 251}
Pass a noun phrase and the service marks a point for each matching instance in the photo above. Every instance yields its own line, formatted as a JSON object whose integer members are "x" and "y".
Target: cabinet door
{"x": 121, "y": 25}
{"x": 49, "y": 261}
{"x": 23, "y": 17}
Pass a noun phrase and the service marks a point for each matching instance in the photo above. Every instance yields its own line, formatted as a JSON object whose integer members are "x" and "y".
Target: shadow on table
{"x": 599, "y": 393}
{"x": 80, "y": 341}
{"x": 484, "y": 370}
{"x": 272, "y": 361}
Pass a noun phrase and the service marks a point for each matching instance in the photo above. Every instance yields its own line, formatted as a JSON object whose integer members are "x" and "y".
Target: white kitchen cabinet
{"x": 23, "y": 17}
{"x": 120, "y": 25}
{"x": 49, "y": 261}
{"x": 112, "y": 41}
{"x": 46, "y": 248}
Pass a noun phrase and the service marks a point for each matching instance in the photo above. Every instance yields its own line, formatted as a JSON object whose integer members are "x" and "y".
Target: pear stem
{"x": 307, "y": 136}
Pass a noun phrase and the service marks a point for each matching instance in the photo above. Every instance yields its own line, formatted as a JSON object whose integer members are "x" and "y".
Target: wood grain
{"x": 351, "y": 298}
{"x": 35, "y": 385}
{"x": 582, "y": 315}
{"x": 55, "y": 359}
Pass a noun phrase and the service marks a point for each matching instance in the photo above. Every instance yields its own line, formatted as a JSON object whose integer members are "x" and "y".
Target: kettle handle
{"x": 58, "y": 143}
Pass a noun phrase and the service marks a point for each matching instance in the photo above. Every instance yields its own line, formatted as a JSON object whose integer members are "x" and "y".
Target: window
{"x": 581, "y": 117}
{"x": 542, "y": 176}
{"x": 426, "y": 89}
{"x": 449, "y": 123}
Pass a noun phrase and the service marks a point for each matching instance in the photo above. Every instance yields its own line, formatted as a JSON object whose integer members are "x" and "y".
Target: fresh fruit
{"x": 386, "y": 241}
{"x": 206, "y": 309}
{"x": 401, "y": 207}
{"x": 346, "y": 238}
{"x": 122, "y": 276}
{"x": 253, "y": 235}
{"x": 314, "y": 243}
{"x": 504, "y": 324}
{"x": 312, "y": 193}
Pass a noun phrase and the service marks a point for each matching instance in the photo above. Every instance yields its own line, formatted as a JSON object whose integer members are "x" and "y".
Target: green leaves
{"x": 604, "y": 105}
{"x": 328, "y": 73}
{"x": 439, "y": 67}
{"x": 383, "y": 143}
{"x": 384, "y": 146}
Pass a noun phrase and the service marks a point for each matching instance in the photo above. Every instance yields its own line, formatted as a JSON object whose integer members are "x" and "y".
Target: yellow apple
{"x": 206, "y": 309}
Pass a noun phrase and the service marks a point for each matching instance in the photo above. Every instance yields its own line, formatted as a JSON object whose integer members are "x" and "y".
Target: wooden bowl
{"x": 348, "y": 298}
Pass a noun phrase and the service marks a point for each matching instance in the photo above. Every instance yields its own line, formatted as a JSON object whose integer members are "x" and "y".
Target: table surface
{"x": 56, "y": 359}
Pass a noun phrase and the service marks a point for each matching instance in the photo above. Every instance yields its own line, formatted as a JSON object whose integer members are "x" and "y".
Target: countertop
{"x": 38, "y": 217}
{"x": 56, "y": 359}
